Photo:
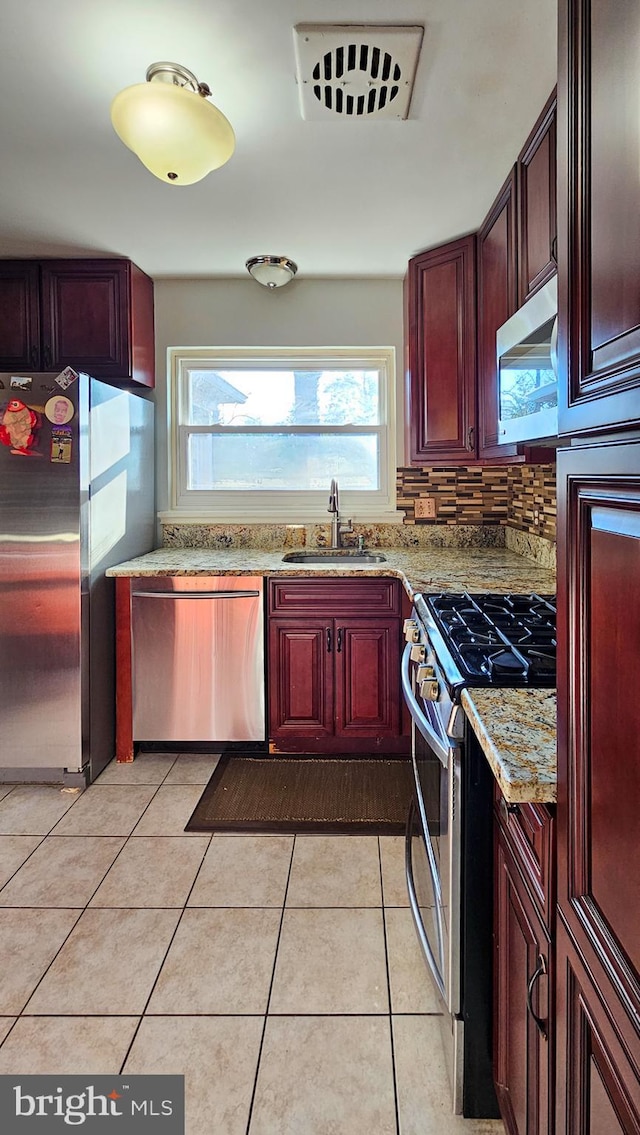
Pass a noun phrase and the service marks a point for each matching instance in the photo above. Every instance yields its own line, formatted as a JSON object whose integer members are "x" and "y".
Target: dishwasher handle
{"x": 194, "y": 594}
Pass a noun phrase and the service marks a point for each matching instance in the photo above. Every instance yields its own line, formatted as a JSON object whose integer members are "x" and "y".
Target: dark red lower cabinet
{"x": 523, "y": 965}
{"x": 334, "y": 676}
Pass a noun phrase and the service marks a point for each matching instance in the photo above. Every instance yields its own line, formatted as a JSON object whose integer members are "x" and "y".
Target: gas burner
{"x": 505, "y": 662}
{"x": 501, "y": 640}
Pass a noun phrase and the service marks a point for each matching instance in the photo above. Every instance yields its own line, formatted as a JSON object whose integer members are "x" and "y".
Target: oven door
{"x": 433, "y": 842}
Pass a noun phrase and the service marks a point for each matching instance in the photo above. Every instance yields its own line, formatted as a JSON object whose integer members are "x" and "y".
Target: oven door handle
{"x": 415, "y": 907}
{"x": 433, "y": 867}
{"x": 440, "y": 748}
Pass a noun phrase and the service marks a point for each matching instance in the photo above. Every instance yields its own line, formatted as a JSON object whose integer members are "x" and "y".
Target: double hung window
{"x": 261, "y": 432}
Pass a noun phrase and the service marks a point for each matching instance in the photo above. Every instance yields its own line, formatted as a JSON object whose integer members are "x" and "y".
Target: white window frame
{"x": 284, "y": 506}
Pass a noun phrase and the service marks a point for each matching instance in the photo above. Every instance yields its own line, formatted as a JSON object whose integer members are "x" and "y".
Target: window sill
{"x": 278, "y": 517}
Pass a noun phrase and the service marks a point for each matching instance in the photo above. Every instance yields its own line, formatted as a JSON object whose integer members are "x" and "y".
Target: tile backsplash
{"x": 519, "y": 496}
{"x": 532, "y": 499}
{"x": 476, "y": 506}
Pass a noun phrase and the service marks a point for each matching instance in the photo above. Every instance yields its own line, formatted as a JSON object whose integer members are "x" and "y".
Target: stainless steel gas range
{"x": 453, "y": 642}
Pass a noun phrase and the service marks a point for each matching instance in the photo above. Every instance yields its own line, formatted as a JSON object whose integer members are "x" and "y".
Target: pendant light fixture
{"x": 271, "y": 271}
{"x": 170, "y": 126}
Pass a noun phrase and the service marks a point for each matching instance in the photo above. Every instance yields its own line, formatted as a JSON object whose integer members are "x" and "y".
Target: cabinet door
{"x": 85, "y": 316}
{"x": 599, "y": 222}
{"x": 598, "y": 1088}
{"x": 367, "y": 660}
{"x": 440, "y": 342}
{"x": 19, "y": 315}
{"x": 599, "y": 725}
{"x": 300, "y": 678}
{"x": 497, "y": 300}
{"x": 521, "y": 989}
{"x": 537, "y": 205}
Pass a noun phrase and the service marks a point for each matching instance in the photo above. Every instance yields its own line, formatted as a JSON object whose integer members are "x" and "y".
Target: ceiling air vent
{"x": 356, "y": 71}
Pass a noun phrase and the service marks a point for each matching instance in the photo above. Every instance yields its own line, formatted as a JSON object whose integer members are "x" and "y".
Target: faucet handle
{"x": 346, "y": 526}
{"x": 333, "y": 496}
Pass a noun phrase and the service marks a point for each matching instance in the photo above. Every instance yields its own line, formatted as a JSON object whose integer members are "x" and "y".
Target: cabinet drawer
{"x": 530, "y": 833}
{"x": 335, "y": 598}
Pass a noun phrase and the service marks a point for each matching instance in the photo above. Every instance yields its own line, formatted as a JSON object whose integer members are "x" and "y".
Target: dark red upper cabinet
{"x": 497, "y": 300}
{"x": 440, "y": 338}
{"x": 599, "y": 227}
{"x": 537, "y": 221}
{"x": 93, "y": 315}
{"x": 19, "y": 315}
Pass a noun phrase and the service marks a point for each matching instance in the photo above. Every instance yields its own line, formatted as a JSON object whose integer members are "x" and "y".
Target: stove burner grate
{"x": 499, "y": 639}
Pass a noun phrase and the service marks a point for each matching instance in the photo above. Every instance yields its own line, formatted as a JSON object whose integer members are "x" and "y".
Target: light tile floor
{"x": 280, "y": 974}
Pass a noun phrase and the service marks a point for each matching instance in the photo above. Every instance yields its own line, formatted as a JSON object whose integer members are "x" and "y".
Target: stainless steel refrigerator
{"x": 76, "y": 496}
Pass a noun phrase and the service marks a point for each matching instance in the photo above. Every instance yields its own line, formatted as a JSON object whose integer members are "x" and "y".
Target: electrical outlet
{"x": 425, "y": 508}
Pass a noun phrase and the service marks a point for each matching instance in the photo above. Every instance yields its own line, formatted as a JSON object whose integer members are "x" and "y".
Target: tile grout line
{"x": 25, "y": 861}
{"x": 72, "y": 928}
{"x": 50, "y": 834}
{"x": 164, "y": 957}
{"x": 386, "y": 959}
{"x": 81, "y": 910}
{"x": 124, "y": 838}
{"x": 273, "y": 974}
{"x": 164, "y": 1013}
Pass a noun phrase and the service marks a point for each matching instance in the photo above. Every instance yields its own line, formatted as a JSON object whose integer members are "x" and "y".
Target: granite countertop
{"x": 428, "y": 570}
{"x": 516, "y": 729}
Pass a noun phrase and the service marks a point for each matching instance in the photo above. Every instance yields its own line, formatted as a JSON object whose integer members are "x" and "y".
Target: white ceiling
{"x": 340, "y": 198}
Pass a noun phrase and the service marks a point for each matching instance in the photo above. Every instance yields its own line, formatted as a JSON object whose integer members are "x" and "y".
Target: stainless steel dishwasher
{"x": 198, "y": 658}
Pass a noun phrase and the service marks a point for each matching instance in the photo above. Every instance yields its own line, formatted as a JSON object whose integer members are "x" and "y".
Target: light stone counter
{"x": 428, "y": 570}
{"x": 516, "y": 729}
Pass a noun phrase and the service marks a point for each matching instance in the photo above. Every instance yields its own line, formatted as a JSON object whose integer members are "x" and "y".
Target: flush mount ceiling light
{"x": 170, "y": 126}
{"x": 271, "y": 271}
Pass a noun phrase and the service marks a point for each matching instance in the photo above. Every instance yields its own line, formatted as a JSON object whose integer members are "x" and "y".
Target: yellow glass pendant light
{"x": 170, "y": 126}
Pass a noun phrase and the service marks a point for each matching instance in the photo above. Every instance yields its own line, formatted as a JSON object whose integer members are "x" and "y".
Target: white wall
{"x": 305, "y": 313}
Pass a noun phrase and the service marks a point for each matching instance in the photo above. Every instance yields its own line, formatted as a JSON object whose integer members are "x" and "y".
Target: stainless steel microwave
{"x": 528, "y": 369}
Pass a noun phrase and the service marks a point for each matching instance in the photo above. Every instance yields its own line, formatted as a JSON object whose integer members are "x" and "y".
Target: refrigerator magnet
{"x": 66, "y": 377}
{"x": 61, "y": 446}
{"x": 18, "y": 383}
{"x": 59, "y": 410}
{"x": 19, "y": 428}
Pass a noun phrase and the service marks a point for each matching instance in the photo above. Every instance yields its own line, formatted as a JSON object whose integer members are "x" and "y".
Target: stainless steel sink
{"x": 343, "y": 558}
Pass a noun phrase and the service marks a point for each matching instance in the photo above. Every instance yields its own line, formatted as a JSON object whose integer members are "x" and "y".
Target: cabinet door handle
{"x": 339, "y": 642}
{"x": 33, "y": 356}
{"x": 540, "y": 969}
{"x": 554, "y": 250}
{"x": 47, "y": 356}
{"x": 328, "y": 640}
{"x": 470, "y": 434}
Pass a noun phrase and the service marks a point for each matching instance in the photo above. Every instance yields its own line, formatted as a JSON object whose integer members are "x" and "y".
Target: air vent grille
{"x": 356, "y": 71}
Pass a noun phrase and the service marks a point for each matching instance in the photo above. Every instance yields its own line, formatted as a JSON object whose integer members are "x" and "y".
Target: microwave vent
{"x": 356, "y": 71}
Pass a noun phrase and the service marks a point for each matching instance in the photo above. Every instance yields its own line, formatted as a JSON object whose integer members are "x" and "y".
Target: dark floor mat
{"x": 363, "y": 795}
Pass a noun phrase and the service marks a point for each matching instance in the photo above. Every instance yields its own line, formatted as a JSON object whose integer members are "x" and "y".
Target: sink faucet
{"x": 337, "y": 529}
